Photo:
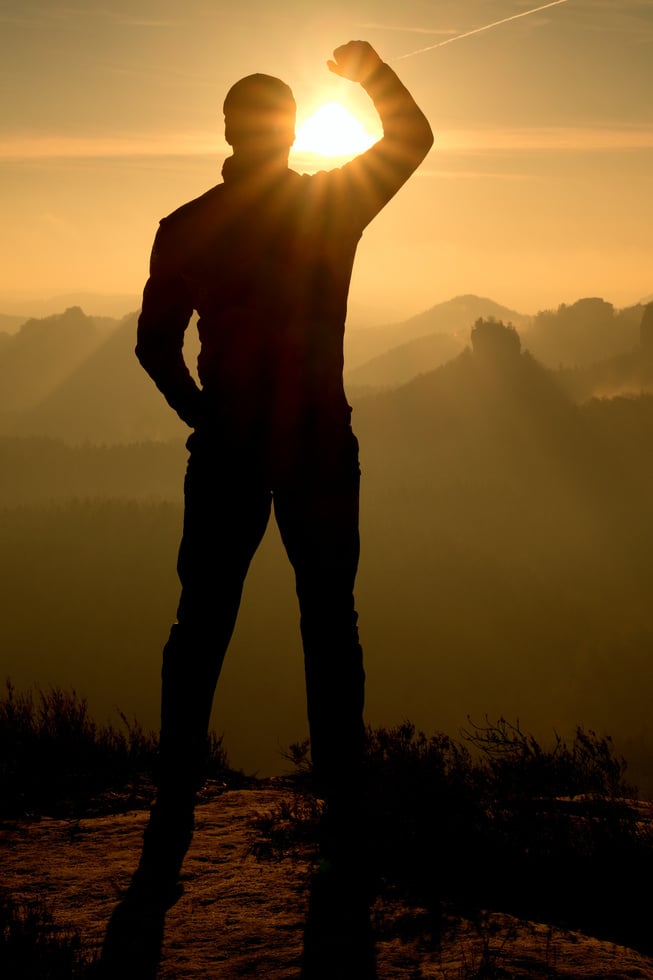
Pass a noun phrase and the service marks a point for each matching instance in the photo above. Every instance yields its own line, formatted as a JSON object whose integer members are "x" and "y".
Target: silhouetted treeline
{"x": 41, "y": 470}
{"x": 517, "y": 538}
{"x": 586, "y": 331}
{"x": 68, "y": 379}
{"x": 628, "y": 373}
{"x": 44, "y": 353}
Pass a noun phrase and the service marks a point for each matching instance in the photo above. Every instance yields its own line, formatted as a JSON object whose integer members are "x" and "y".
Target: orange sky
{"x": 539, "y": 189}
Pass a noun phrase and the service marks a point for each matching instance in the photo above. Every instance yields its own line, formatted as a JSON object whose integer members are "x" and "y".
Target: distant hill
{"x": 9, "y": 323}
{"x": 91, "y": 388}
{"x": 43, "y": 353}
{"x": 579, "y": 334}
{"x": 107, "y": 399}
{"x": 584, "y": 332}
{"x": 114, "y": 305}
{"x": 624, "y": 375}
{"x": 75, "y": 377}
{"x": 404, "y": 362}
{"x": 454, "y": 318}
{"x": 487, "y": 396}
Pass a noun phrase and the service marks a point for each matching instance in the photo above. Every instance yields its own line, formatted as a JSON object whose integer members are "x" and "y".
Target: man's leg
{"x": 318, "y": 521}
{"x": 225, "y": 516}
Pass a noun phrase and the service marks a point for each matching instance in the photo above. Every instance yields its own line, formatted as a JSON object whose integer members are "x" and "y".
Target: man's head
{"x": 259, "y": 116}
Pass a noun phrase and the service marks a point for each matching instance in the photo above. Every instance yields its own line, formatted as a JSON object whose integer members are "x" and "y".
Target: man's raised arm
{"x": 407, "y": 135}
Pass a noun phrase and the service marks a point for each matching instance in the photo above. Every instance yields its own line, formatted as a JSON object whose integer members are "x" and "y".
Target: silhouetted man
{"x": 265, "y": 258}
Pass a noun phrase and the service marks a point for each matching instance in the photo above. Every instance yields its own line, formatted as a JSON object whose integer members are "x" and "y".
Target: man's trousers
{"x": 229, "y": 495}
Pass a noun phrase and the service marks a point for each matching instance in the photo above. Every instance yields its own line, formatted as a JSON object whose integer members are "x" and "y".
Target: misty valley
{"x": 506, "y": 525}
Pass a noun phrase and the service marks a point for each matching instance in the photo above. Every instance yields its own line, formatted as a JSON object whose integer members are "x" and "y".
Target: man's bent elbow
{"x": 147, "y": 354}
{"x": 416, "y": 144}
{"x": 429, "y": 138}
{"x": 141, "y": 352}
{"x": 423, "y": 136}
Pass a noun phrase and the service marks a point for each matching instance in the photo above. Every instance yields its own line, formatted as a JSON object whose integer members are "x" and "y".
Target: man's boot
{"x": 181, "y": 767}
{"x": 166, "y": 840}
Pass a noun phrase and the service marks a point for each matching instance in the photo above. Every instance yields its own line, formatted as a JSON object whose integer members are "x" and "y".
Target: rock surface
{"x": 240, "y": 916}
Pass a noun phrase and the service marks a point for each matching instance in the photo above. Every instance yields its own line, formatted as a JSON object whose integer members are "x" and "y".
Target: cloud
{"x": 551, "y": 138}
{"x": 486, "y": 27}
{"x": 404, "y": 29}
{"x": 632, "y": 18}
{"x": 60, "y": 226}
{"x": 123, "y": 18}
{"x": 627, "y": 17}
{"x": 626, "y": 7}
{"x": 467, "y": 174}
{"x": 202, "y": 143}
{"x": 45, "y": 15}
{"x": 84, "y": 147}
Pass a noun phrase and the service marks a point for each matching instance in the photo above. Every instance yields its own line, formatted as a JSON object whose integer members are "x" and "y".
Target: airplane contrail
{"x": 477, "y": 30}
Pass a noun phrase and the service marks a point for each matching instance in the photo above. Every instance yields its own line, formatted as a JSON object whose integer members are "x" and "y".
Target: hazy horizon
{"x": 42, "y": 304}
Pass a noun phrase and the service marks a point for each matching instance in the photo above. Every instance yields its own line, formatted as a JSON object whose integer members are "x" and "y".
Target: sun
{"x": 332, "y": 131}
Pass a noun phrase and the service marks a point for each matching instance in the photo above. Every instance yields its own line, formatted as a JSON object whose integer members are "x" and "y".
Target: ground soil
{"x": 243, "y": 916}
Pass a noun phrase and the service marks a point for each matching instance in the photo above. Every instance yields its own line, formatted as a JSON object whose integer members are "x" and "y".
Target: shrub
{"x": 503, "y": 823}
{"x": 32, "y": 946}
{"x": 521, "y": 768}
{"x": 55, "y": 759}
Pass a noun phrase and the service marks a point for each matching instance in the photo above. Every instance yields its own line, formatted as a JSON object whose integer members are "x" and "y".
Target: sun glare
{"x": 333, "y": 131}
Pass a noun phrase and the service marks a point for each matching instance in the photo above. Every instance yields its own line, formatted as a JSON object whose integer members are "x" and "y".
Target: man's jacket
{"x": 266, "y": 259}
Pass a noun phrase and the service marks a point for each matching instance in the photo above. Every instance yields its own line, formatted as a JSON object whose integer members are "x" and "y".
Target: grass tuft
{"x": 56, "y": 760}
{"x": 498, "y": 821}
{"x": 32, "y": 947}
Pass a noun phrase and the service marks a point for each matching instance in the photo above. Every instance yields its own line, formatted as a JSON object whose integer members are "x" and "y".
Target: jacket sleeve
{"x": 376, "y": 176}
{"x": 164, "y": 317}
